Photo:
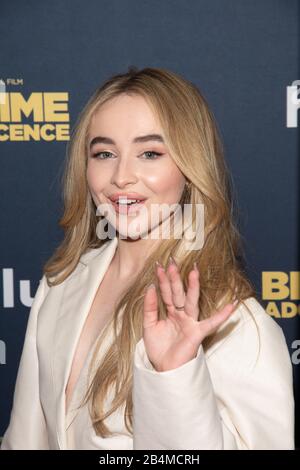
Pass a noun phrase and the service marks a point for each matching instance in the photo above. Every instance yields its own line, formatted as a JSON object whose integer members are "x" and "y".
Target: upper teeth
{"x": 127, "y": 201}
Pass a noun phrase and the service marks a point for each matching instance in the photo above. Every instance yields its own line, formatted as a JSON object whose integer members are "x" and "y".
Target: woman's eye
{"x": 154, "y": 155}
{"x": 149, "y": 155}
{"x": 97, "y": 155}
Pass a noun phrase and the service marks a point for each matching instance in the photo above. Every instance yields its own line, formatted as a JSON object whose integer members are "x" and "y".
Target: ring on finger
{"x": 179, "y": 308}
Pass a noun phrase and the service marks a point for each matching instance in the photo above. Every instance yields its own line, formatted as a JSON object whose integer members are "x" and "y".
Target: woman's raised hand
{"x": 174, "y": 341}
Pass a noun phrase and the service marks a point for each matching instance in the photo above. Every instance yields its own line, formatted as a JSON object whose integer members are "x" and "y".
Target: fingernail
{"x": 171, "y": 261}
{"x": 195, "y": 266}
{"x": 235, "y": 302}
{"x": 158, "y": 264}
{"x": 151, "y": 286}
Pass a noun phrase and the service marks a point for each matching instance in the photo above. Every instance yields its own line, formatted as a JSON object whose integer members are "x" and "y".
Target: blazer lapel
{"x": 79, "y": 293}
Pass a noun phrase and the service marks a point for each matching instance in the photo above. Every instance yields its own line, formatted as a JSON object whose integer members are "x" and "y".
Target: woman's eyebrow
{"x": 142, "y": 138}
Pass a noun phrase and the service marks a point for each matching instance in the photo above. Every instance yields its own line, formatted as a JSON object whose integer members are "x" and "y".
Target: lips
{"x": 114, "y": 197}
{"x": 127, "y": 208}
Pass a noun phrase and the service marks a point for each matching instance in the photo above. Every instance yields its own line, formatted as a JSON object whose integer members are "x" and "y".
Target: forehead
{"x": 124, "y": 116}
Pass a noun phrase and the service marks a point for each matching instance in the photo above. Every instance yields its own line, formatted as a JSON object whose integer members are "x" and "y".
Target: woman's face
{"x": 123, "y": 160}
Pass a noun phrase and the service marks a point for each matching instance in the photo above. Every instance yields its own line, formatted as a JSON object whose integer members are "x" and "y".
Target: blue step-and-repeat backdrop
{"x": 243, "y": 56}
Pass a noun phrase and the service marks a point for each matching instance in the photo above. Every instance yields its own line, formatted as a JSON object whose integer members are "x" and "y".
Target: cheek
{"x": 96, "y": 183}
{"x": 167, "y": 184}
{"x": 94, "y": 178}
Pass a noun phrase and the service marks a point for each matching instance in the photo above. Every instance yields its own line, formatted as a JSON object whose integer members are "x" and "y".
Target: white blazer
{"x": 221, "y": 399}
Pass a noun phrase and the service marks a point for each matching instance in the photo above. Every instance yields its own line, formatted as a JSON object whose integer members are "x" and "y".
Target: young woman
{"x": 140, "y": 342}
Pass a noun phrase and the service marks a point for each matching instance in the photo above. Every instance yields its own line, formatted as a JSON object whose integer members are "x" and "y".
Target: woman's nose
{"x": 124, "y": 173}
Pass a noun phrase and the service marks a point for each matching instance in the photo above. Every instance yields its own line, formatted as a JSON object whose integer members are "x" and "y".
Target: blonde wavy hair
{"x": 193, "y": 141}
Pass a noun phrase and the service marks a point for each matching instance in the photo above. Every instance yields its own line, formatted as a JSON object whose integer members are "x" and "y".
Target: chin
{"x": 131, "y": 233}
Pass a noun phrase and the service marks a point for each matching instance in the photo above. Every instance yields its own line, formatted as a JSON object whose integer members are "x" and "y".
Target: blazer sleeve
{"x": 27, "y": 427}
{"x": 228, "y": 401}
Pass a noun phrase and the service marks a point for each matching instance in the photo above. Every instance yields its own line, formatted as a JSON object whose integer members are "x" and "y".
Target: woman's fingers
{"x": 165, "y": 286}
{"x": 192, "y": 296}
{"x": 172, "y": 289}
{"x": 150, "y": 307}
{"x": 178, "y": 294}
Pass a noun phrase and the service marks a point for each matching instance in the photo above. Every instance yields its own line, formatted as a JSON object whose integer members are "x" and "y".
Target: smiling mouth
{"x": 127, "y": 207}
